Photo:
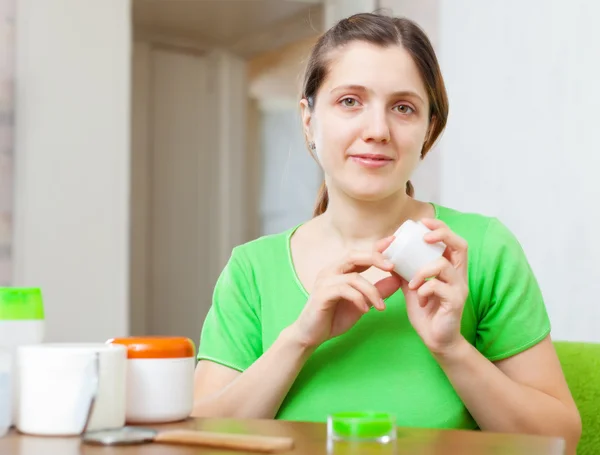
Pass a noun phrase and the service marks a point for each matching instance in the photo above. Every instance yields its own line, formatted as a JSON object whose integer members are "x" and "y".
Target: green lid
{"x": 363, "y": 425}
{"x": 21, "y": 304}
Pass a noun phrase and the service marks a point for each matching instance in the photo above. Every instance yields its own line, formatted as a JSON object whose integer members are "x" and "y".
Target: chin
{"x": 371, "y": 194}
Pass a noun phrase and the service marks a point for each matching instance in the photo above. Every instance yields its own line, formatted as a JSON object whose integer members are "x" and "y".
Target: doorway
{"x": 201, "y": 152}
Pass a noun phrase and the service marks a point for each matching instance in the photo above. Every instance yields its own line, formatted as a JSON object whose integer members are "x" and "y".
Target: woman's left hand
{"x": 435, "y": 305}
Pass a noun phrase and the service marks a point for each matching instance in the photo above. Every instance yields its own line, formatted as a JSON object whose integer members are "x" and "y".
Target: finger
{"x": 387, "y": 286}
{"x": 435, "y": 287}
{"x": 433, "y": 223}
{"x": 440, "y": 232}
{"x": 348, "y": 293}
{"x": 420, "y": 301}
{"x": 359, "y": 261}
{"x": 441, "y": 269}
{"x": 425, "y": 301}
{"x": 382, "y": 244}
{"x": 370, "y": 292}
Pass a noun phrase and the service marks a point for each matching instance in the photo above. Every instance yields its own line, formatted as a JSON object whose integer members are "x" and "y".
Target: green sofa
{"x": 581, "y": 366}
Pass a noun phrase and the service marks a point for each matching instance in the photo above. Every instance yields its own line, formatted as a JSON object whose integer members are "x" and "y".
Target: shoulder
{"x": 497, "y": 260}
{"x": 467, "y": 223}
{"x": 493, "y": 248}
{"x": 508, "y": 304}
{"x": 248, "y": 264}
{"x": 263, "y": 251}
{"x": 479, "y": 230}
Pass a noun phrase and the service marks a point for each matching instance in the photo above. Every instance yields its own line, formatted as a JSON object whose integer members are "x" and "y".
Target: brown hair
{"x": 383, "y": 31}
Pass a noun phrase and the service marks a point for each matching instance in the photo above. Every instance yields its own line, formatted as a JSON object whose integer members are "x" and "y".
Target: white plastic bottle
{"x": 6, "y": 400}
{"x": 410, "y": 252}
{"x": 21, "y": 322}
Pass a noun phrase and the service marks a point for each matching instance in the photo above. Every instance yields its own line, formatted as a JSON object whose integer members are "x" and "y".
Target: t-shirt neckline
{"x": 292, "y": 267}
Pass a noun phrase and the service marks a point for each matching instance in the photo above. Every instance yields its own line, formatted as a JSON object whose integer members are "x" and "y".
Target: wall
{"x": 141, "y": 111}
{"x": 275, "y": 77}
{"x": 522, "y": 141}
{"x": 427, "y": 177}
{"x": 182, "y": 223}
{"x": 287, "y": 198}
{"x": 188, "y": 181}
{"x": 7, "y": 16}
{"x": 72, "y": 163}
{"x": 289, "y": 178}
{"x": 339, "y": 9}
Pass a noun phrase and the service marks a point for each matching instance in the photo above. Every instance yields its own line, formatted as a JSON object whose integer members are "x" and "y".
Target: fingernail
{"x": 412, "y": 284}
{"x": 388, "y": 263}
{"x": 382, "y": 304}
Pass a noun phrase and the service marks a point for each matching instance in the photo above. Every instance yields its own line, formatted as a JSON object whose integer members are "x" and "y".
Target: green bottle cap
{"x": 363, "y": 425}
{"x": 21, "y": 304}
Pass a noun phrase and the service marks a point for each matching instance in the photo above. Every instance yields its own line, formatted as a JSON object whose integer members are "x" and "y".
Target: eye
{"x": 404, "y": 109}
{"x": 349, "y": 102}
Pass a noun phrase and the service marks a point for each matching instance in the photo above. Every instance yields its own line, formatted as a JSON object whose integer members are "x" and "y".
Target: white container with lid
{"x": 410, "y": 252}
{"x": 6, "y": 399}
{"x": 21, "y": 323}
{"x": 58, "y": 382}
{"x": 160, "y": 378}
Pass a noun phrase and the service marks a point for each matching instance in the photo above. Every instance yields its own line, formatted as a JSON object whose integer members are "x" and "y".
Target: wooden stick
{"x": 255, "y": 443}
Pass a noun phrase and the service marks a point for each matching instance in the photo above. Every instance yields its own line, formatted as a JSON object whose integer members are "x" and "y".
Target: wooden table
{"x": 310, "y": 439}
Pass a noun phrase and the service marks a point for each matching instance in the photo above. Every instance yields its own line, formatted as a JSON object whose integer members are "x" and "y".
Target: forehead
{"x": 381, "y": 69}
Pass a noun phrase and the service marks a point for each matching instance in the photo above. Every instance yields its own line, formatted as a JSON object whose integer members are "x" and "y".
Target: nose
{"x": 376, "y": 128}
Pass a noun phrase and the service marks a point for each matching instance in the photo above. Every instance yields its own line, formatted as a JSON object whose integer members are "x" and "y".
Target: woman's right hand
{"x": 341, "y": 295}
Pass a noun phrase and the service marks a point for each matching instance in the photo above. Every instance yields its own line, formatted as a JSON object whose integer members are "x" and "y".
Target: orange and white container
{"x": 160, "y": 378}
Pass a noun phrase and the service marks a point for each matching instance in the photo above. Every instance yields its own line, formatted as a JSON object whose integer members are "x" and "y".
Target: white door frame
{"x": 228, "y": 85}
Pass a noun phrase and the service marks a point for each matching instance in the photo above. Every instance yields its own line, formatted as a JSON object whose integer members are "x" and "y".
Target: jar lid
{"x": 156, "y": 347}
{"x": 21, "y": 304}
{"x": 362, "y": 425}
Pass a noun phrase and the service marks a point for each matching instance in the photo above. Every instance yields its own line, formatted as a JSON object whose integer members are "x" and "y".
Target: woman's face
{"x": 370, "y": 120}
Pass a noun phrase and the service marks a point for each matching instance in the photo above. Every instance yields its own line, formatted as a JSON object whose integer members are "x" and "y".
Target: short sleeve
{"x": 512, "y": 313}
{"x": 231, "y": 334}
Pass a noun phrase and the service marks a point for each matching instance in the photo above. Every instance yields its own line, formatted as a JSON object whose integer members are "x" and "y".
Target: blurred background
{"x": 141, "y": 140}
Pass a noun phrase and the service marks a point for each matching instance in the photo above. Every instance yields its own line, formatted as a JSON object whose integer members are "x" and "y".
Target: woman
{"x": 291, "y": 333}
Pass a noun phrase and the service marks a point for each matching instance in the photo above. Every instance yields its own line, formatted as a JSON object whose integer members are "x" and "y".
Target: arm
{"x": 231, "y": 333}
{"x": 259, "y": 391}
{"x": 525, "y": 393}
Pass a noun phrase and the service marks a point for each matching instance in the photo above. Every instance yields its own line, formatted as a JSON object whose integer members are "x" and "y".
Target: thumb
{"x": 382, "y": 244}
{"x": 388, "y": 285}
{"x": 402, "y": 283}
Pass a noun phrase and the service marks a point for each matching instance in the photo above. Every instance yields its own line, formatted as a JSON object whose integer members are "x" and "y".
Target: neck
{"x": 358, "y": 223}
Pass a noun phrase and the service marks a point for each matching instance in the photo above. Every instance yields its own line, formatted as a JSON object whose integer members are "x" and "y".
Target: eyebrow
{"x": 362, "y": 88}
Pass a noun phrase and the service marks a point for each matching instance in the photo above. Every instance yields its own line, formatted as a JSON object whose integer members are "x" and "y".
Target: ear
{"x": 306, "y": 119}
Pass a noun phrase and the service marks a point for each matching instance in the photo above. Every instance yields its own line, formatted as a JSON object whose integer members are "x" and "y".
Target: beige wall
{"x": 188, "y": 182}
{"x": 277, "y": 75}
{"x": 72, "y": 163}
{"x": 6, "y": 138}
{"x": 140, "y": 186}
{"x": 287, "y": 177}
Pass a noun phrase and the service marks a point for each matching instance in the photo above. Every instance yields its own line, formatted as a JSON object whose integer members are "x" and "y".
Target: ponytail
{"x": 410, "y": 189}
{"x": 323, "y": 198}
{"x": 322, "y": 201}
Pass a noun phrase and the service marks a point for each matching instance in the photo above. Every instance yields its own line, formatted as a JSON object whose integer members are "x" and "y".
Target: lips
{"x": 373, "y": 157}
{"x": 371, "y": 161}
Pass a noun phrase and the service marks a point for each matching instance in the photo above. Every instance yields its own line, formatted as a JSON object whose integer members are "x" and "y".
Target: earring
{"x": 311, "y": 145}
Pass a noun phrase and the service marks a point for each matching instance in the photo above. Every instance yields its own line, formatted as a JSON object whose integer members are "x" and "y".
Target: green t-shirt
{"x": 380, "y": 364}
